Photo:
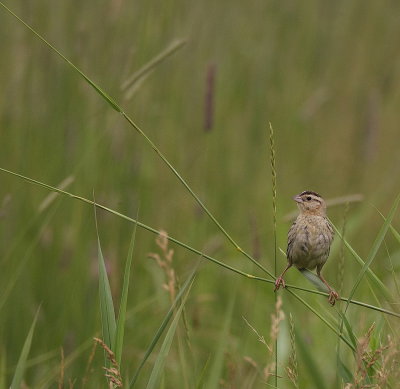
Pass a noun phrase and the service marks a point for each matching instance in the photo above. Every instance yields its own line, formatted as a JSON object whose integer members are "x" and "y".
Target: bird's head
{"x": 310, "y": 203}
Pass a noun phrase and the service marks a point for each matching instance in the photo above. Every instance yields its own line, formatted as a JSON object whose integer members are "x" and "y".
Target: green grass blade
{"x": 375, "y": 247}
{"x": 20, "y": 369}
{"x": 379, "y": 285}
{"x": 202, "y": 376}
{"x": 395, "y": 233}
{"x": 162, "y": 327}
{"x": 106, "y": 303}
{"x": 344, "y": 372}
{"x": 350, "y": 332}
{"x": 166, "y": 345}
{"x": 107, "y": 312}
{"x": 124, "y": 302}
{"x": 217, "y": 367}
{"x": 128, "y": 84}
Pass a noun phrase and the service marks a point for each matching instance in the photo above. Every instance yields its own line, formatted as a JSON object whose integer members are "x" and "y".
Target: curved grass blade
{"x": 395, "y": 233}
{"x": 166, "y": 345}
{"x": 106, "y": 303}
{"x": 162, "y": 327}
{"x": 20, "y": 369}
{"x": 129, "y": 84}
{"x": 344, "y": 372}
{"x": 119, "y": 340}
{"x": 201, "y": 379}
{"x": 374, "y": 250}
{"x": 350, "y": 332}
{"x": 371, "y": 275}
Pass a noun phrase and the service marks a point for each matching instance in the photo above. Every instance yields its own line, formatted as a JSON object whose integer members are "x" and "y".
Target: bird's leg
{"x": 280, "y": 281}
{"x": 333, "y": 295}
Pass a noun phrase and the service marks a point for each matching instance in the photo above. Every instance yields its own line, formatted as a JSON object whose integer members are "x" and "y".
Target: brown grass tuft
{"x": 276, "y": 319}
{"x": 164, "y": 261}
{"x": 378, "y": 366}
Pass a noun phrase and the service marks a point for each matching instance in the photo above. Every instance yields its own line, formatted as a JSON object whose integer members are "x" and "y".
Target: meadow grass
{"x": 308, "y": 70}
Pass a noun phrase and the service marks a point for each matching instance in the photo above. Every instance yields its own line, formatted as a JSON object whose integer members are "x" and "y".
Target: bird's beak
{"x": 298, "y": 199}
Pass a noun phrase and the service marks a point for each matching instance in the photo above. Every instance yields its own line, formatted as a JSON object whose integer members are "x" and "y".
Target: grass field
{"x": 201, "y": 82}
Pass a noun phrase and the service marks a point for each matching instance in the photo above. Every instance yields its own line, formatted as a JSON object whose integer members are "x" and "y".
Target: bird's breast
{"x": 309, "y": 242}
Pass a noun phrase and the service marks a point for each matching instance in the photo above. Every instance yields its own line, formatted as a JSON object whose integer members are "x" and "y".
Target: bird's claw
{"x": 333, "y": 296}
{"x": 278, "y": 283}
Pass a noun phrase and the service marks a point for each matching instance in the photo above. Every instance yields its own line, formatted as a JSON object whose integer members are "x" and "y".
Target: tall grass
{"x": 293, "y": 65}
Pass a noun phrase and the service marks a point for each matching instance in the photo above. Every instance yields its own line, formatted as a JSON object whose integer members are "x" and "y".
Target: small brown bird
{"x": 309, "y": 239}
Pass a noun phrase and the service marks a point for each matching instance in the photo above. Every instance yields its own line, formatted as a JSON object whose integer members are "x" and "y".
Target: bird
{"x": 309, "y": 239}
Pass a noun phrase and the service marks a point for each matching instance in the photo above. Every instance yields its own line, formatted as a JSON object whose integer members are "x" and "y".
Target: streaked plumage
{"x": 309, "y": 238}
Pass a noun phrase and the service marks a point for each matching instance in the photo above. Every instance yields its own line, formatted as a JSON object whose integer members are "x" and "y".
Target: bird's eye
{"x": 308, "y": 198}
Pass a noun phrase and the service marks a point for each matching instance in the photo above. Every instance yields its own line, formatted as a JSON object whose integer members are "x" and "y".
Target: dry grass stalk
{"x": 165, "y": 263}
{"x": 389, "y": 366}
{"x": 276, "y": 318}
{"x": 260, "y": 337}
{"x": 292, "y": 370}
{"x": 113, "y": 373}
{"x": 171, "y": 285}
{"x": 89, "y": 365}
{"x": 269, "y": 370}
{"x": 251, "y": 362}
{"x": 62, "y": 370}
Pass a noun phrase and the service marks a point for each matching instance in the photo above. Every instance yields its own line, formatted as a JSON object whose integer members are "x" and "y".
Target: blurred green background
{"x": 325, "y": 74}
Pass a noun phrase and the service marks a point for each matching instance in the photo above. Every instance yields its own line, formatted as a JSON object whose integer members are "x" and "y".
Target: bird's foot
{"x": 333, "y": 296}
{"x": 279, "y": 282}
